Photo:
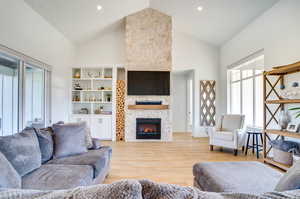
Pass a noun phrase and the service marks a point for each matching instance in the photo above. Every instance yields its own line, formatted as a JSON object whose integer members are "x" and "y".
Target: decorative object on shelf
{"x": 101, "y": 108}
{"x": 293, "y": 127}
{"x": 77, "y": 87}
{"x": 77, "y": 75}
{"x": 90, "y": 75}
{"x": 102, "y": 88}
{"x": 284, "y": 119}
{"x": 108, "y": 97}
{"x": 97, "y": 111}
{"x": 76, "y": 98}
{"x": 291, "y": 93}
{"x": 295, "y": 84}
{"x": 84, "y": 111}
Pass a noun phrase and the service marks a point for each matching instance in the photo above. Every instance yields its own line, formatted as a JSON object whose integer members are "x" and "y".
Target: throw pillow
{"x": 290, "y": 180}
{"x": 69, "y": 139}
{"x": 88, "y": 135}
{"x": 9, "y": 177}
{"x": 22, "y": 150}
{"x": 46, "y": 143}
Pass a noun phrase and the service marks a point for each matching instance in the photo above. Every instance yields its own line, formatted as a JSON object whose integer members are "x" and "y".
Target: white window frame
{"x": 237, "y": 66}
{"x": 241, "y": 80}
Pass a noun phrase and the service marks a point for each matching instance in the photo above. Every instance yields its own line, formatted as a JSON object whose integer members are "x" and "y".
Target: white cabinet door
{"x": 101, "y": 128}
{"x": 81, "y": 119}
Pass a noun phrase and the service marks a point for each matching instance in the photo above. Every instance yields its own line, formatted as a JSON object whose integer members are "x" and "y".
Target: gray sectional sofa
{"x": 28, "y": 161}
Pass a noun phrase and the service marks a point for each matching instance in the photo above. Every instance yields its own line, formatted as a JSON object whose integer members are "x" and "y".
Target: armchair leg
{"x": 211, "y": 147}
{"x": 235, "y": 152}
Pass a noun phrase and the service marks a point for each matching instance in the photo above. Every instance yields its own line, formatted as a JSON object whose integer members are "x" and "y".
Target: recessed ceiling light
{"x": 200, "y": 8}
{"x": 99, "y": 7}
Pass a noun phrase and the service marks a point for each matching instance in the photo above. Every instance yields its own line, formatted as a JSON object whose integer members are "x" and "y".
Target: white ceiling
{"x": 219, "y": 21}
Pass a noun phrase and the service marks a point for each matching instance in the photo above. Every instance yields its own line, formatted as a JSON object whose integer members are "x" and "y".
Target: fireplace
{"x": 148, "y": 128}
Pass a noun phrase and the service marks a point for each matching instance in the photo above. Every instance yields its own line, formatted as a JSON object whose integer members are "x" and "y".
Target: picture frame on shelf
{"x": 293, "y": 127}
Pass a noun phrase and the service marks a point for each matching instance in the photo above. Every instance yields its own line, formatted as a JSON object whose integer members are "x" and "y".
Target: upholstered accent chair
{"x": 228, "y": 133}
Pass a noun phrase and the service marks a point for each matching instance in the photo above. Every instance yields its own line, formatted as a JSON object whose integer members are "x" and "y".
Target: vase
{"x": 284, "y": 119}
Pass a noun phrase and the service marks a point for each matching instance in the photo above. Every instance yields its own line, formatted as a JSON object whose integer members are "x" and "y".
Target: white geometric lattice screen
{"x": 207, "y": 103}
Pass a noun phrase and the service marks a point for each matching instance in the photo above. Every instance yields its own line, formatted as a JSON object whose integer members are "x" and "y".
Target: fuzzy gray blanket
{"x": 133, "y": 189}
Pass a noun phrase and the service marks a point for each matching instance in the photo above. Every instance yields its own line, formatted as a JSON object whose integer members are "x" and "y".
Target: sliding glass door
{"x": 9, "y": 84}
{"x": 24, "y": 92}
{"x": 34, "y": 96}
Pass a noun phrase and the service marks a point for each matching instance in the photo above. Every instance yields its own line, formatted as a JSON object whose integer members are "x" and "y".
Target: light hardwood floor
{"x": 163, "y": 162}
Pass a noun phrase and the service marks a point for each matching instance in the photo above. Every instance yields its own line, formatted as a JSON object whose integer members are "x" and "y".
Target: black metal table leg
{"x": 253, "y": 142}
{"x": 257, "y": 151}
{"x": 247, "y": 146}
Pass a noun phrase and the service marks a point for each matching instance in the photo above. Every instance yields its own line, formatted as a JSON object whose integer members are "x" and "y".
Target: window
{"x": 34, "y": 101}
{"x": 8, "y": 95}
{"x": 245, "y": 90}
{"x": 24, "y": 92}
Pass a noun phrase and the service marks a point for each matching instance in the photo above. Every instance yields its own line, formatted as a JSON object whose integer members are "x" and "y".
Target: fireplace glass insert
{"x": 148, "y": 128}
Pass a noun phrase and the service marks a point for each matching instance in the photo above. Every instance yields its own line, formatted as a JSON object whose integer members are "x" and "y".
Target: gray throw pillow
{"x": 69, "y": 139}
{"x": 88, "y": 135}
{"x": 46, "y": 143}
{"x": 9, "y": 177}
{"x": 290, "y": 180}
{"x": 22, "y": 150}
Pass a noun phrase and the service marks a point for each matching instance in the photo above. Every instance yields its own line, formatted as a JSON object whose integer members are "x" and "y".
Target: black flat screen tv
{"x": 148, "y": 83}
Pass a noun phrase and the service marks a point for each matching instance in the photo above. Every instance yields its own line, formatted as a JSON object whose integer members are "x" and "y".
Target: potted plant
{"x": 296, "y": 109}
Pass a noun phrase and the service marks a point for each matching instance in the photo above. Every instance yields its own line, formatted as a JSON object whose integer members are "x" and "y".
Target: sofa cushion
{"x": 290, "y": 180}
{"x": 69, "y": 139}
{"x": 88, "y": 135}
{"x": 45, "y": 137}
{"x": 98, "y": 159}
{"x": 244, "y": 177}
{"x": 9, "y": 177}
{"x": 22, "y": 150}
{"x": 53, "y": 177}
{"x": 224, "y": 135}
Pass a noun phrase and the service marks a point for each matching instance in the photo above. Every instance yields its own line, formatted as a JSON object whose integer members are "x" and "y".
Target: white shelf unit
{"x": 93, "y": 99}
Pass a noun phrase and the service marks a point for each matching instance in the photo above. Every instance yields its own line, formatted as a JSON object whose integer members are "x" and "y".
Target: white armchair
{"x": 228, "y": 133}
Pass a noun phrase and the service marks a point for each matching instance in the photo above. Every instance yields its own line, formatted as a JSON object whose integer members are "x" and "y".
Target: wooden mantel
{"x": 148, "y": 107}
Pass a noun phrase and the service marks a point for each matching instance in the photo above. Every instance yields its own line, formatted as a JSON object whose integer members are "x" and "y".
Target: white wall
{"x": 107, "y": 48}
{"x": 277, "y": 31}
{"x": 24, "y": 30}
{"x": 190, "y": 53}
{"x": 179, "y": 101}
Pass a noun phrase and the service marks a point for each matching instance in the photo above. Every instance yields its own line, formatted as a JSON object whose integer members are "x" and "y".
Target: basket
{"x": 282, "y": 157}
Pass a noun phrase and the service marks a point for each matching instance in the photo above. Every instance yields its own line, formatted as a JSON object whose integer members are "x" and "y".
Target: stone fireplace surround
{"x": 148, "y": 41}
{"x": 132, "y": 115}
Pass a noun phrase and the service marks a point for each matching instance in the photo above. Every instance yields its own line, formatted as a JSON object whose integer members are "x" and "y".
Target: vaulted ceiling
{"x": 219, "y": 21}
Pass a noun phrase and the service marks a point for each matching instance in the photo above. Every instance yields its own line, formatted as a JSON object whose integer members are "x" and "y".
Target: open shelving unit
{"x": 93, "y": 99}
{"x": 92, "y": 91}
{"x": 278, "y": 104}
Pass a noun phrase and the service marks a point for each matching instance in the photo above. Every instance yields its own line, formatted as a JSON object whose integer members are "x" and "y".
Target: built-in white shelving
{"x": 93, "y": 99}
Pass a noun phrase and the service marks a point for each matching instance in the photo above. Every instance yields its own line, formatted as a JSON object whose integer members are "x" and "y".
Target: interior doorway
{"x": 183, "y": 101}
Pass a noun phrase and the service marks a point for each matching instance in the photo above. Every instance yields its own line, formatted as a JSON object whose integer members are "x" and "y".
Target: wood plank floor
{"x": 170, "y": 162}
